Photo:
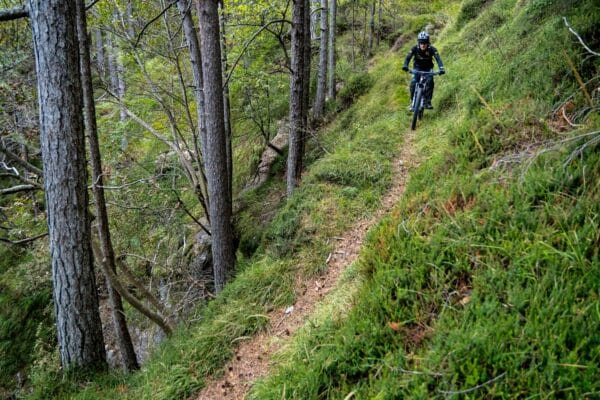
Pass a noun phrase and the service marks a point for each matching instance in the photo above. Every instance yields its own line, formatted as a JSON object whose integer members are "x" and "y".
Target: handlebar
{"x": 416, "y": 71}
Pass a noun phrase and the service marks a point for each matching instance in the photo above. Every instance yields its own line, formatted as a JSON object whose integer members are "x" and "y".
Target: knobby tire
{"x": 417, "y": 106}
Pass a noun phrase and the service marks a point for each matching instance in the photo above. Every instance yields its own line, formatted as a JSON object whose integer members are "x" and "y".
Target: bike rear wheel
{"x": 417, "y": 109}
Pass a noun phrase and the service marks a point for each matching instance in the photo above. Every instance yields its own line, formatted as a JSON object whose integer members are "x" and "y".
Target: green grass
{"x": 482, "y": 280}
{"x": 295, "y": 240}
{"x": 483, "y": 283}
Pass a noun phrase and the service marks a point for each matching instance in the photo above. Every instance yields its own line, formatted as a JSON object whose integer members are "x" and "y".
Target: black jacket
{"x": 424, "y": 59}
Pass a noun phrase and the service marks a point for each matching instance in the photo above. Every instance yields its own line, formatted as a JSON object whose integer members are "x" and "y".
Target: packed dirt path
{"x": 252, "y": 358}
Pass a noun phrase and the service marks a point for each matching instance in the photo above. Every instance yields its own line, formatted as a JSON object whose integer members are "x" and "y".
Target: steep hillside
{"x": 482, "y": 282}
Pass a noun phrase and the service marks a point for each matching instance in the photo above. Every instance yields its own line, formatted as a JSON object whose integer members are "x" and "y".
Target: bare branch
{"x": 114, "y": 281}
{"x": 262, "y": 28}
{"x": 18, "y": 188}
{"x": 19, "y": 12}
{"x": 139, "y": 37}
{"x": 579, "y": 37}
{"x": 143, "y": 290}
{"x": 185, "y": 209}
{"x": 23, "y": 179}
{"x": 9, "y": 154}
{"x": 23, "y": 241}
{"x": 14, "y": 13}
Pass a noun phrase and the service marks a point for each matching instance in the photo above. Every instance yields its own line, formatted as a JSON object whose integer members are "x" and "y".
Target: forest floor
{"x": 252, "y": 358}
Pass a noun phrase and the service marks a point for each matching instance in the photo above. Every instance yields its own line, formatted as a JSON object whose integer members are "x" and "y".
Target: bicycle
{"x": 418, "y": 100}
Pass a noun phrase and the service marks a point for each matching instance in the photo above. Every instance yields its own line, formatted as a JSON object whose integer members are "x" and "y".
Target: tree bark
{"x": 306, "y": 82}
{"x": 113, "y": 78}
{"x": 353, "y": 41}
{"x": 297, "y": 87}
{"x": 379, "y": 22}
{"x": 196, "y": 60}
{"x": 331, "y": 53}
{"x": 371, "y": 30}
{"x": 220, "y": 204}
{"x": 14, "y": 13}
{"x": 319, "y": 107}
{"x": 100, "y": 59}
{"x": 226, "y": 102}
{"x": 79, "y": 330}
{"x": 313, "y": 6}
{"x": 126, "y": 349}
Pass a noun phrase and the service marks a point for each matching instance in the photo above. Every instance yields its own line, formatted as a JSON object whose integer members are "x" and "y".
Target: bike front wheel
{"x": 417, "y": 109}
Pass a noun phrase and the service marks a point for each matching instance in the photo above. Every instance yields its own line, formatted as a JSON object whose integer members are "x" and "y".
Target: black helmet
{"x": 423, "y": 37}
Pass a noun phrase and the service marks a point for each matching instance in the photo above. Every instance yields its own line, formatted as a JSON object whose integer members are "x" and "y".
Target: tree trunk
{"x": 79, "y": 329}
{"x": 220, "y": 207}
{"x": 331, "y": 53}
{"x": 126, "y": 349}
{"x": 379, "y": 22}
{"x": 319, "y": 107}
{"x": 113, "y": 78}
{"x": 100, "y": 59}
{"x": 306, "y": 80}
{"x": 364, "y": 31}
{"x": 371, "y": 30}
{"x": 129, "y": 20}
{"x": 121, "y": 88}
{"x": 353, "y": 42}
{"x": 295, "y": 150}
{"x": 196, "y": 61}
{"x": 313, "y": 15}
{"x": 226, "y": 102}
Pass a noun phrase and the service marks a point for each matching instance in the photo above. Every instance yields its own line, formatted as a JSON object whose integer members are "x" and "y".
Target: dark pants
{"x": 428, "y": 89}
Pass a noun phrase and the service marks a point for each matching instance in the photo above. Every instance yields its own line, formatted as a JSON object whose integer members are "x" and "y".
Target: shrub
{"x": 357, "y": 85}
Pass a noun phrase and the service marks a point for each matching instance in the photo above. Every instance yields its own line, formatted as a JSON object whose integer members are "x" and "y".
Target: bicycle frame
{"x": 418, "y": 100}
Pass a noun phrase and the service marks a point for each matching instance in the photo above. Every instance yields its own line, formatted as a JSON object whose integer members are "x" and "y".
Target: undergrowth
{"x": 294, "y": 240}
{"x": 483, "y": 283}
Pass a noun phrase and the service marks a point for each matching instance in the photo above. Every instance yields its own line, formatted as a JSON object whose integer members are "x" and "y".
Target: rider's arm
{"x": 410, "y": 55}
{"x": 438, "y": 59}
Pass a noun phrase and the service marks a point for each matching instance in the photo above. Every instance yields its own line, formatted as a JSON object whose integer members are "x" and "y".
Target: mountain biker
{"x": 423, "y": 53}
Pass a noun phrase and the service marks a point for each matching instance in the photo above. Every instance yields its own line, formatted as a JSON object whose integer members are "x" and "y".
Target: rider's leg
{"x": 429, "y": 92}
{"x": 413, "y": 83}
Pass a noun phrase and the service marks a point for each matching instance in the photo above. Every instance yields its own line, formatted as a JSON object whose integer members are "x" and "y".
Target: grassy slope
{"x": 349, "y": 171}
{"x": 481, "y": 273}
{"x": 482, "y": 276}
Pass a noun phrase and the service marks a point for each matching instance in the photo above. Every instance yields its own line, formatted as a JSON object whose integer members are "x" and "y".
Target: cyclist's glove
{"x": 442, "y": 71}
{"x": 405, "y": 68}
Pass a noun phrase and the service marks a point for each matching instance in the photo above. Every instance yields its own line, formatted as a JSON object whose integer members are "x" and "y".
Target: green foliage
{"x": 484, "y": 280}
{"x": 356, "y": 86}
{"x": 482, "y": 275}
{"x": 469, "y": 10}
{"x": 25, "y": 308}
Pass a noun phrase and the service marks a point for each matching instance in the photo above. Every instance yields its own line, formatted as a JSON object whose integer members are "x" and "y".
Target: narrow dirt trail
{"x": 252, "y": 358}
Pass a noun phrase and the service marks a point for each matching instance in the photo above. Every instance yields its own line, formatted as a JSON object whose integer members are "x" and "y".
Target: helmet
{"x": 423, "y": 37}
